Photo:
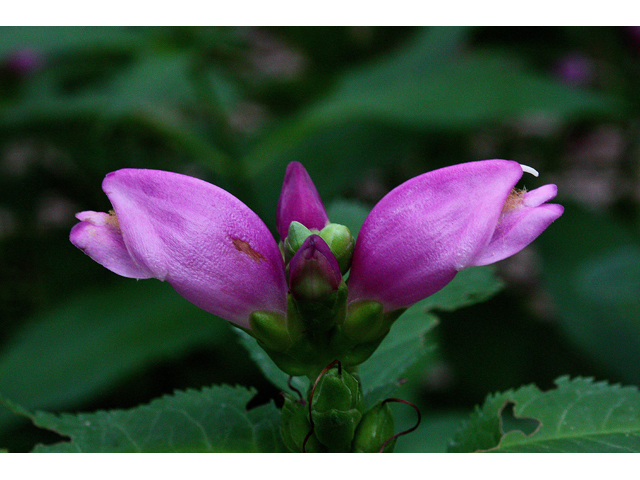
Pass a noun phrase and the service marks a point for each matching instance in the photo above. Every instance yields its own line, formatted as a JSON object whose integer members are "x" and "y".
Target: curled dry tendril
{"x": 399, "y": 400}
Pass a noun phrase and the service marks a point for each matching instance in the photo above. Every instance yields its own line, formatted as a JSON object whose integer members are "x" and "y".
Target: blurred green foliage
{"x": 363, "y": 109}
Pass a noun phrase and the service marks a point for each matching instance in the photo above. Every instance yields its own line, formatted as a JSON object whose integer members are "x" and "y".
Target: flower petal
{"x": 99, "y": 236}
{"x": 206, "y": 243}
{"x": 299, "y": 200}
{"x": 521, "y": 225}
{"x": 423, "y": 232}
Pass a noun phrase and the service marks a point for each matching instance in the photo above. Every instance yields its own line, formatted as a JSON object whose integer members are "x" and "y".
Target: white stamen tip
{"x": 527, "y": 169}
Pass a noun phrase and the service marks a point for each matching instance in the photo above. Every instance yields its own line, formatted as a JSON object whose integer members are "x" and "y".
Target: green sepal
{"x": 270, "y": 329}
{"x": 375, "y": 428}
{"x": 341, "y": 243}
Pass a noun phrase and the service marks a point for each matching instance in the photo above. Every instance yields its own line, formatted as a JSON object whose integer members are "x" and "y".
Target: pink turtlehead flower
{"x": 213, "y": 249}
{"x": 219, "y": 255}
{"x": 425, "y": 231}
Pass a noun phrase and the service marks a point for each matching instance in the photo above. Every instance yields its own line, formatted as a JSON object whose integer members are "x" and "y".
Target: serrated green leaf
{"x": 210, "y": 420}
{"x": 89, "y": 343}
{"x": 580, "y": 415}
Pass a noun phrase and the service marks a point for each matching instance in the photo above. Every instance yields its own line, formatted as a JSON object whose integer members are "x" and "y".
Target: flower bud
{"x": 341, "y": 243}
{"x": 296, "y": 427}
{"x": 337, "y": 406}
{"x": 314, "y": 273}
{"x": 298, "y": 233}
{"x": 299, "y": 200}
{"x": 375, "y": 428}
{"x": 364, "y": 321}
{"x": 270, "y": 329}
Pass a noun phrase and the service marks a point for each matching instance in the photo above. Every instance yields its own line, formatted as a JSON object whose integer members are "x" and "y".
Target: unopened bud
{"x": 341, "y": 243}
{"x": 337, "y": 406}
{"x": 296, "y": 428}
{"x": 364, "y": 321}
{"x": 270, "y": 329}
{"x": 375, "y": 428}
{"x": 314, "y": 273}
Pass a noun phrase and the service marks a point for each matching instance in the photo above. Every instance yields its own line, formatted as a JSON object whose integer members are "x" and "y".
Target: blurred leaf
{"x": 579, "y": 416}
{"x": 149, "y": 83}
{"x": 210, "y": 420}
{"x": 47, "y": 40}
{"x": 425, "y": 85}
{"x": 592, "y": 270}
{"x": 91, "y": 342}
{"x": 335, "y": 157}
{"x": 349, "y": 213}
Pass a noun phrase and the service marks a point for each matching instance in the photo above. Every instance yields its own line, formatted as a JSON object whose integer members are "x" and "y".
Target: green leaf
{"x": 471, "y": 285}
{"x": 210, "y": 420}
{"x": 349, "y": 213}
{"x": 592, "y": 270}
{"x": 580, "y": 415}
{"x": 89, "y": 343}
{"x": 48, "y": 40}
{"x": 150, "y": 83}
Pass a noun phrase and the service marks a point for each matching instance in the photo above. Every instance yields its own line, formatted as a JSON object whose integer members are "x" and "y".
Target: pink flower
{"x": 425, "y": 231}
{"x": 206, "y": 243}
{"x": 220, "y": 256}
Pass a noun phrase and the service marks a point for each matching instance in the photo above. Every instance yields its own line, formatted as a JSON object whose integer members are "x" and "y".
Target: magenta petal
{"x": 423, "y": 232}
{"x": 521, "y": 225}
{"x": 299, "y": 201}
{"x": 99, "y": 236}
{"x": 206, "y": 243}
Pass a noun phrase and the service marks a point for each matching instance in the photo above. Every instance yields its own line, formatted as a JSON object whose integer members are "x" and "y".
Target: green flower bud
{"x": 296, "y": 427}
{"x": 341, "y": 243}
{"x": 270, "y": 329}
{"x": 337, "y": 408}
{"x": 364, "y": 321}
{"x": 298, "y": 233}
{"x": 375, "y": 428}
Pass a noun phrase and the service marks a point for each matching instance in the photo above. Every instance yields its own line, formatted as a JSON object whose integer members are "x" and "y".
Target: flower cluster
{"x": 292, "y": 296}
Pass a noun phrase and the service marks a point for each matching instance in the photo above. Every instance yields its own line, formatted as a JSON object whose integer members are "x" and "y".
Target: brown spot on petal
{"x": 244, "y": 247}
